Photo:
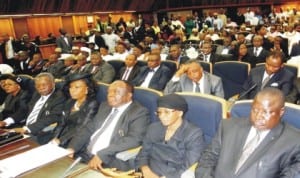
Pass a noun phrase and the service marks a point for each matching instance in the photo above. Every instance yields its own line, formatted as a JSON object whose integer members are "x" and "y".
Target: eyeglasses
{"x": 166, "y": 112}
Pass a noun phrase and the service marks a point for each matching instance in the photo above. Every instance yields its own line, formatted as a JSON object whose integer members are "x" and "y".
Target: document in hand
{"x": 21, "y": 163}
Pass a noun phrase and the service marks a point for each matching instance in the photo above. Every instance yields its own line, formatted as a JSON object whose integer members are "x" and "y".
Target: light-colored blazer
{"x": 212, "y": 85}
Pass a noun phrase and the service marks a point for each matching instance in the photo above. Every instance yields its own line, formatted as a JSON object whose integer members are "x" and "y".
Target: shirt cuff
{"x": 175, "y": 79}
{"x": 27, "y": 130}
{"x": 9, "y": 121}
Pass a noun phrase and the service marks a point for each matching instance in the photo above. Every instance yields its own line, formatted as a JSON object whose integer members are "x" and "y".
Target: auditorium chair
{"x": 233, "y": 75}
{"x": 206, "y": 111}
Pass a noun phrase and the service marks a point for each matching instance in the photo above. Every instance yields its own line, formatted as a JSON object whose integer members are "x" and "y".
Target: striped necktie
{"x": 35, "y": 111}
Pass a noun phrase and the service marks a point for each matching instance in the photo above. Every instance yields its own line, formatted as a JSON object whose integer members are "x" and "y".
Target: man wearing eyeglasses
{"x": 172, "y": 145}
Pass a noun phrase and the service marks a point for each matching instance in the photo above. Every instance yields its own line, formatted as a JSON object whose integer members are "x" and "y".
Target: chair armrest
{"x": 190, "y": 172}
{"x": 128, "y": 154}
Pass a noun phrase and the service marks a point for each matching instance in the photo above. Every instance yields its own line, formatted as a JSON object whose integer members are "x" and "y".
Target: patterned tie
{"x": 35, "y": 111}
{"x": 248, "y": 149}
{"x": 264, "y": 82}
{"x": 98, "y": 133}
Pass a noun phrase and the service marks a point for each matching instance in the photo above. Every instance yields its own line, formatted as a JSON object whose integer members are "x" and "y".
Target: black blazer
{"x": 257, "y": 59}
{"x": 72, "y": 122}
{"x": 16, "y": 107}
{"x": 134, "y": 72}
{"x": 159, "y": 79}
{"x": 283, "y": 80}
{"x": 50, "y": 112}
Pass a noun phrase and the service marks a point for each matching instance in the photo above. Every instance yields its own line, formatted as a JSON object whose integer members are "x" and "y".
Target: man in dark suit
{"x": 257, "y": 53}
{"x": 153, "y": 75}
{"x": 130, "y": 70}
{"x": 22, "y": 63}
{"x": 207, "y": 54}
{"x": 120, "y": 124}
{"x": 261, "y": 147}
{"x": 64, "y": 41}
{"x": 175, "y": 55}
{"x": 191, "y": 76}
{"x": 272, "y": 74}
{"x": 45, "y": 108}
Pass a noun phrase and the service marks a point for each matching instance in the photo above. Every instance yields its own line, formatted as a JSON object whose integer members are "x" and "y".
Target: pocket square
{"x": 275, "y": 84}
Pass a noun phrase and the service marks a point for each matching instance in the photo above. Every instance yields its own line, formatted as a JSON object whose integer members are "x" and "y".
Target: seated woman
{"x": 15, "y": 103}
{"x": 172, "y": 145}
{"x": 78, "y": 110}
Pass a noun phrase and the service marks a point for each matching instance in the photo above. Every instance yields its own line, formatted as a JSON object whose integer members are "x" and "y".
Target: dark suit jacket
{"x": 61, "y": 43}
{"x": 16, "y": 107}
{"x": 159, "y": 79}
{"x": 278, "y": 155}
{"x": 257, "y": 59}
{"x": 50, "y": 113}
{"x": 128, "y": 133}
{"x": 134, "y": 72}
{"x": 72, "y": 122}
{"x": 213, "y": 58}
{"x": 182, "y": 59}
{"x": 283, "y": 80}
{"x": 171, "y": 158}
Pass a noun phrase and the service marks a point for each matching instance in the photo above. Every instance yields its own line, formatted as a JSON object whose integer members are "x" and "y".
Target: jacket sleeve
{"x": 210, "y": 156}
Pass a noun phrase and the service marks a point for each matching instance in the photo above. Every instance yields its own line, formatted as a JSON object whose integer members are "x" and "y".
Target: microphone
{"x": 68, "y": 171}
{"x": 247, "y": 91}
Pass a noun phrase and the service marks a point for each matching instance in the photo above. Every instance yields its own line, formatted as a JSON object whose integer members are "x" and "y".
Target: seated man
{"x": 154, "y": 75}
{"x": 120, "y": 124}
{"x": 191, "y": 78}
{"x": 130, "y": 70}
{"x": 172, "y": 145}
{"x": 272, "y": 74}
{"x": 45, "y": 108}
{"x": 101, "y": 70}
{"x": 263, "y": 146}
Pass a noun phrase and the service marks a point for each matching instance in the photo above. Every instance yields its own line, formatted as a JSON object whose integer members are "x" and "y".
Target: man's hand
{"x": 148, "y": 173}
{"x": 182, "y": 70}
{"x": 2, "y": 124}
{"x": 20, "y": 130}
{"x": 95, "y": 163}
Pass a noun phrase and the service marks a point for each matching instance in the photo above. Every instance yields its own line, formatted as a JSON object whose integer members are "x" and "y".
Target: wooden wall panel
{"x": 68, "y": 24}
{"x": 7, "y": 27}
{"x": 20, "y": 26}
{"x": 43, "y": 26}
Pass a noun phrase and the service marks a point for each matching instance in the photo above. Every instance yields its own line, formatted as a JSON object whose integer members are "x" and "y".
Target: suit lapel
{"x": 241, "y": 138}
{"x": 263, "y": 147}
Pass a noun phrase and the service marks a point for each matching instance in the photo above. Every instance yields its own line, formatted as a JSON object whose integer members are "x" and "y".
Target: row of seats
{"x": 206, "y": 111}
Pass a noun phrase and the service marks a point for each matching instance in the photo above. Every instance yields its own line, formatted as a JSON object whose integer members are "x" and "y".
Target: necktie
{"x": 35, "y": 111}
{"x": 94, "y": 70}
{"x": 264, "y": 82}
{"x": 248, "y": 149}
{"x": 197, "y": 88}
{"x": 107, "y": 122}
{"x": 205, "y": 58}
{"x": 255, "y": 52}
{"x": 125, "y": 75}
